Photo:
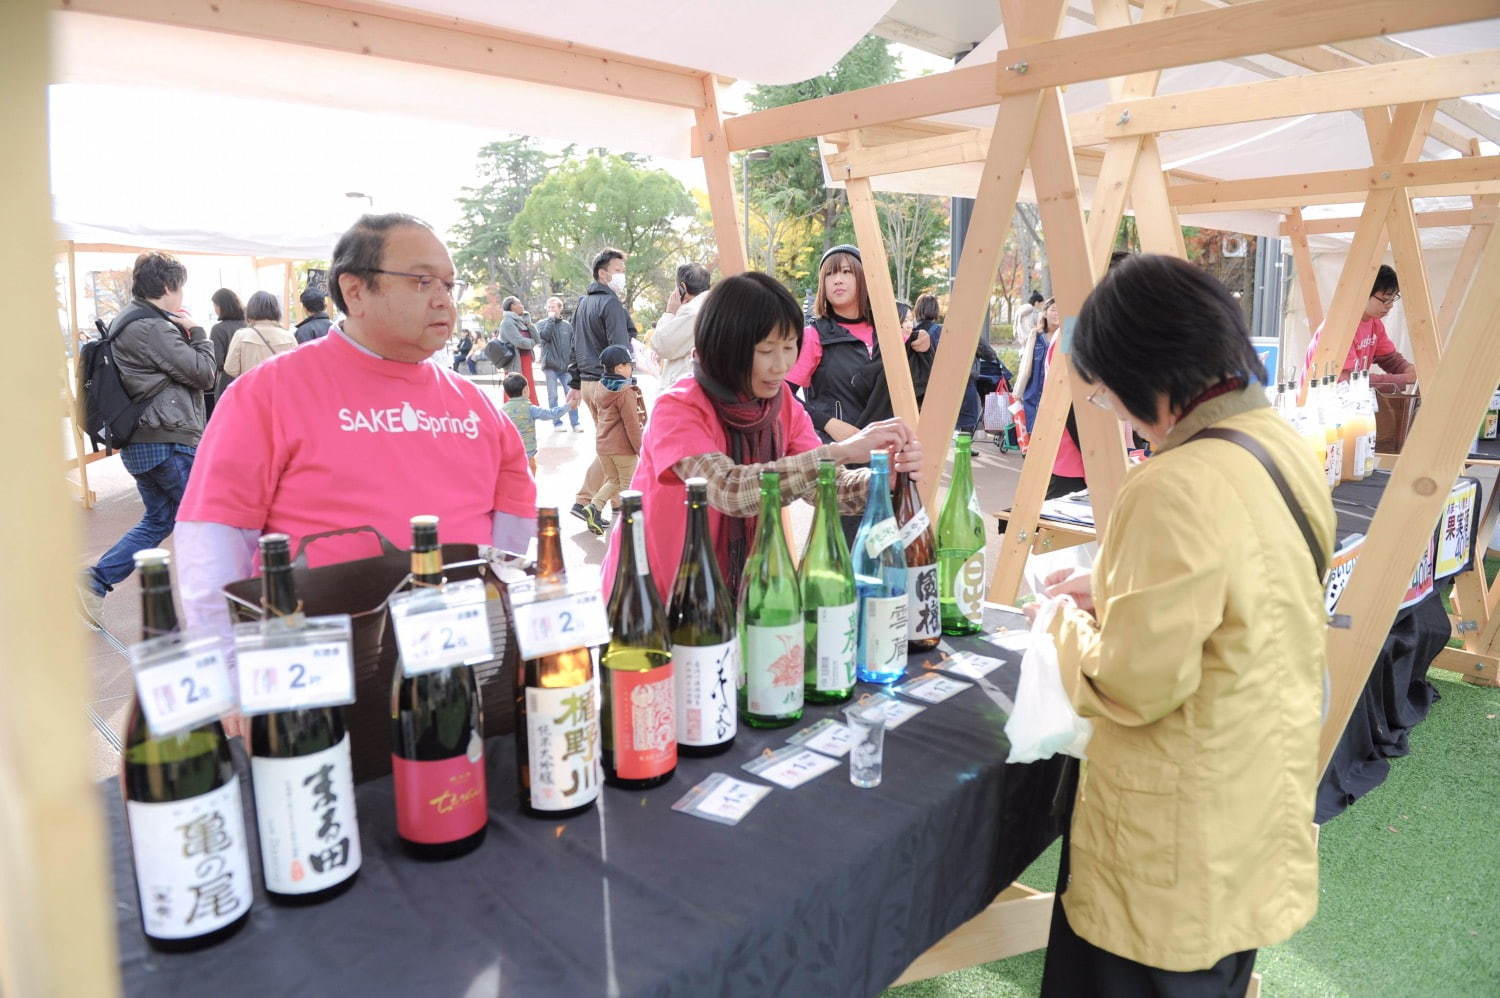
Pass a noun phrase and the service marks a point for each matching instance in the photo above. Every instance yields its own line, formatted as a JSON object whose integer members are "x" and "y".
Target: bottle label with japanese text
{"x": 838, "y": 637}
{"x": 304, "y": 810}
{"x": 705, "y": 677}
{"x": 773, "y": 669}
{"x": 968, "y": 587}
{"x": 883, "y": 622}
{"x": 922, "y": 616}
{"x": 192, "y": 862}
{"x": 643, "y": 722}
{"x": 562, "y": 746}
{"x": 441, "y": 800}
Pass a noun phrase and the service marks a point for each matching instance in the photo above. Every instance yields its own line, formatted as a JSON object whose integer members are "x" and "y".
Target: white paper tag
{"x": 914, "y": 527}
{"x": 931, "y": 688}
{"x": 881, "y": 536}
{"x": 838, "y": 636}
{"x": 304, "y": 809}
{"x": 721, "y": 798}
{"x": 549, "y": 626}
{"x": 883, "y": 634}
{"x": 827, "y": 736}
{"x": 968, "y": 589}
{"x": 182, "y": 680}
{"x": 898, "y": 712}
{"x": 1011, "y": 640}
{"x": 791, "y": 766}
{"x": 441, "y": 628}
{"x": 638, "y": 537}
{"x": 970, "y": 665}
{"x": 294, "y": 668}
{"x": 923, "y": 617}
{"x": 705, "y": 678}
{"x": 562, "y": 745}
{"x": 192, "y": 865}
{"x": 774, "y": 669}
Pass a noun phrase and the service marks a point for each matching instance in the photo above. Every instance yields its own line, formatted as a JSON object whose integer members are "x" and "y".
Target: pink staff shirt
{"x": 683, "y": 424}
{"x": 1069, "y": 462}
{"x": 328, "y": 436}
{"x": 1370, "y": 341}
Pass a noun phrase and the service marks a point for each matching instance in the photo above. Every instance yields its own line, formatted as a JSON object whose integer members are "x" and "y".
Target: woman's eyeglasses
{"x": 1097, "y": 398}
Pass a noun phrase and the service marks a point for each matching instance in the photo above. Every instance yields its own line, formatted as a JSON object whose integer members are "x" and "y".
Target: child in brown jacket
{"x": 622, "y": 415}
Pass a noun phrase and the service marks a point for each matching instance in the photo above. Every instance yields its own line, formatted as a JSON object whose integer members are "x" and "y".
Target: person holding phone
{"x": 673, "y": 339}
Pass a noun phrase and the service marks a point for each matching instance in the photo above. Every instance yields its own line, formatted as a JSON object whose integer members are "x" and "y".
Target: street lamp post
{"x": 749, "y": 154}
{"x": 361, "y": 194}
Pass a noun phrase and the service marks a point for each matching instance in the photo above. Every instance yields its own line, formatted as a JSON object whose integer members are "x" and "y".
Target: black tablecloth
{"x": 822, "y": 890}
{"x": 1397, "y": 696}
{"x": 1487, "y": 450}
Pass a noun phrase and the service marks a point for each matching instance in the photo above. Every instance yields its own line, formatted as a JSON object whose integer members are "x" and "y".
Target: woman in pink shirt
{"x": 735, "y": 418}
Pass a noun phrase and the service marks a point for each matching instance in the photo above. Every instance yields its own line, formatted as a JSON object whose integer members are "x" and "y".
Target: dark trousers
{"x": 1076, "y": 968}
{"x": 161, "y": 491}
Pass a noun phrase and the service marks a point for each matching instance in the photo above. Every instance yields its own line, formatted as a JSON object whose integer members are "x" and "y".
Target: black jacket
{"x": 844, "y": 379}
{"x": 599, "y": 321}
{"x": 312, "y": 327}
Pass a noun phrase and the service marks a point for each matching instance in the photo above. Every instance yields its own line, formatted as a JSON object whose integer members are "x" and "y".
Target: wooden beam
{"x": 1383, "y": 50}
{"x": 57, "y": 909}
{"x": 1155, "y": 217}
{"x": 1222, "y": 33}
{"x": 1353, "y": 290}
{"x": 1479, "y": 215}
{"x": 866, "y": 218}
{"x": 1476, "y": 667}
{"x": 1461, "y": 279}
{"x": 1336, "y": 186}
{"x": 391, "y": 32}
{"x": 1341, "y": 90}
{"x": 1414, "y": 498}
{"x": 70, "y": 379}
{"x": 1017, "y": 921}
{"x": 1307, "y": 278}
{"x": 733, "y": 248}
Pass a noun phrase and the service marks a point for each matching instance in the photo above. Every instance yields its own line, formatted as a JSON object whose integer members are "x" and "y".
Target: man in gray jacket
{"x": 556, "y": 334}
{"x": 166, "y": 357}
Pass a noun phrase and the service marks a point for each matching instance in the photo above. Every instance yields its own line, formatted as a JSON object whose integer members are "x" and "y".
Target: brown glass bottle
{"x": 557, "y": 706}
{"x": 923, "y": 621}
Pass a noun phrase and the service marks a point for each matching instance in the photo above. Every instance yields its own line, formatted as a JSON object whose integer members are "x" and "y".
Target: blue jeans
{"x": 161, "y": 489}
{"x": 557, "y": 381}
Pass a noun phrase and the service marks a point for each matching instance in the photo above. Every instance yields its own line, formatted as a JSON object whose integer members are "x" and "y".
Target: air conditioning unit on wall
{"x": 1235, "y": 245}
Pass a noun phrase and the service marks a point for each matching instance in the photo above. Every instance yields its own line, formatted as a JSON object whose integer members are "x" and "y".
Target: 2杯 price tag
{"x": 442, "y": 628}
{"x": 295, "y": 663}
{"x": 181, "y": 680}
{"x": 549, "y": 626}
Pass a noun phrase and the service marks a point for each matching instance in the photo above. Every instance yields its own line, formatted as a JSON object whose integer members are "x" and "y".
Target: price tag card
{"x": 441, "y": 628}
{"x": 721, "y": 798}
{"x": 294, "y": 663}
{"x": 790, "y": 766}
{"x": 898, "y": 712}
{"x": 931, "y": 688}
{"x": 827, "y": 736}
{"x": 549, "y": 626}
{"x": 969, "y": 665}
{"x": 914, "y": 527}
{"x": 1010, "y": 640}
{"x": 182, "y": 680}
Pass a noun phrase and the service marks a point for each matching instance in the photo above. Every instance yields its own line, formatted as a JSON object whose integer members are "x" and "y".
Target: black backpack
{"x": 110, "y": 415}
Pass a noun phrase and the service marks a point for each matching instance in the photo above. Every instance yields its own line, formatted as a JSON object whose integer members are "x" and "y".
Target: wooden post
{"x": 715, "y": 154}
{"x": 882, "y": 299}
{"x": 56, "y": 911}
{"x": 1360, "y": 266}
{"x": 288, "y": 285}
{"x": 1425, "y": 470}
{"x": 1307, "y": 278}
{"x": 70, "y": 376}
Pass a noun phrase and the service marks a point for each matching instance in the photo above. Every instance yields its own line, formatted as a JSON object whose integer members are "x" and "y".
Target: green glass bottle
{"x": 770, "y": 621}
{"x": 961, "y": 548}
{"x": 829, "y": 603}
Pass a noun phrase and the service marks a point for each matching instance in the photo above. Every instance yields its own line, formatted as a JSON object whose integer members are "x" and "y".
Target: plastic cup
{"x": 867, "y": 736}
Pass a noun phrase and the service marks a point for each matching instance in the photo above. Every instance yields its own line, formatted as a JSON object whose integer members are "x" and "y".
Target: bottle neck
{"x": 770, "y": 514}
{"x": 550, "y": 570}
{"x": 277, "y": 591}
{"x": 158, "y": 613}
{"x": 963, "y": 476}
{"x": 427, "y": 566}
{"x": 629, "y": 566}
{"x": 878, "y": 502}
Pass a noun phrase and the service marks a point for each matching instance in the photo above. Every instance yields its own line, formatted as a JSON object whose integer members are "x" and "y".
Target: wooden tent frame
{"x": 67, "y": 945}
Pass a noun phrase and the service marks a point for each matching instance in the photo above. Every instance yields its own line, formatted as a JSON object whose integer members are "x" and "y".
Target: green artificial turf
{"x": 1410, "y": 879}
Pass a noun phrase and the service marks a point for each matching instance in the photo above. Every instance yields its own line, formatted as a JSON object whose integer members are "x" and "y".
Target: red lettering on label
{"x": 643, "y": 714}
{"x": 439, "y": 801}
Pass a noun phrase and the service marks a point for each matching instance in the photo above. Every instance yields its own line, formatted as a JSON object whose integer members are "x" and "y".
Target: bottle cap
{"x": 153, "y": 558}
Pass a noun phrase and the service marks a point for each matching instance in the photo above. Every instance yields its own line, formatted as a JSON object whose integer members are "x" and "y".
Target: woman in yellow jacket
{"x": 1197, "y": 648}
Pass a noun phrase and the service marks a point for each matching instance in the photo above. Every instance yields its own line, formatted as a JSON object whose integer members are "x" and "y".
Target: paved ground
{"x": 562, "y": 458}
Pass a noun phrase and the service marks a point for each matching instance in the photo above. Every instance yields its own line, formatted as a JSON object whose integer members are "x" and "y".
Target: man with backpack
{"x": 165, "y": 362}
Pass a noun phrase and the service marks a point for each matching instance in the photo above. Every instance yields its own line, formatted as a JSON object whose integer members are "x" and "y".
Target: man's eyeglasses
{"x": 426, "y": 283}
{"x": 1387, "y": 300}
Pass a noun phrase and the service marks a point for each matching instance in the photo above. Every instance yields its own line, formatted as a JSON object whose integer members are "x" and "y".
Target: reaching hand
{"x": 921, "y": 341}
{"x": 891, "y": 435}
{"x": 1077, "y": 583}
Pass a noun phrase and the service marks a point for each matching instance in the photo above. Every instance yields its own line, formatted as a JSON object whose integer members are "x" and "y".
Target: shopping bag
{"x": 997, "y": 418}
{"x": 1044, "y": 722}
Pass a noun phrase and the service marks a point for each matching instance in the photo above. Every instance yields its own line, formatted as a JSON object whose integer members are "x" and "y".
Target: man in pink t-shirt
{"x": 1371, "y": 344}
{"x": 358, "y": 428}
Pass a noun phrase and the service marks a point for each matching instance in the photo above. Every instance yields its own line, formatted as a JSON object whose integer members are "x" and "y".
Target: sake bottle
{"x": 437, "y": 742}
{"x": 637, "y": 718}
{"x": 183, "y": 809}
{"x": 557, "y": 706}
{"x": 960, "y": 540}
{"x": 705, "y": 645}
{"x": 302, "y": 775}
{"x": 829, "y": 602}
{"x": 770, "y": 621}
{"x": 880, "y": 581}
{"x": 923, "y": 619}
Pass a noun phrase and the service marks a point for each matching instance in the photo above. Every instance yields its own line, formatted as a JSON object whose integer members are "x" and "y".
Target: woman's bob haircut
{"x": 1157, "y": 326}
{"x": 742, "y": 311}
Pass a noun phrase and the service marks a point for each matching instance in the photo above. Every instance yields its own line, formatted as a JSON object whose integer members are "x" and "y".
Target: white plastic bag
{"x": 1044, "y": 722}
{"x": 997, "y": 412}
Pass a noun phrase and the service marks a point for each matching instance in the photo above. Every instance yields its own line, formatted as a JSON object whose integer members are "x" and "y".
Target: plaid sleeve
{"x": 854, "y": 490}
{"x": 734, "y": 489}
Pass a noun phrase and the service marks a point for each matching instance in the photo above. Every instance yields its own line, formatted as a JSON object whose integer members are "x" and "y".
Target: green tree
{"x": 605, "y": 200}
{"x": 915, "y": 227}
{"x": 508, "y": 171}
{"x": 788, "y": 186}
